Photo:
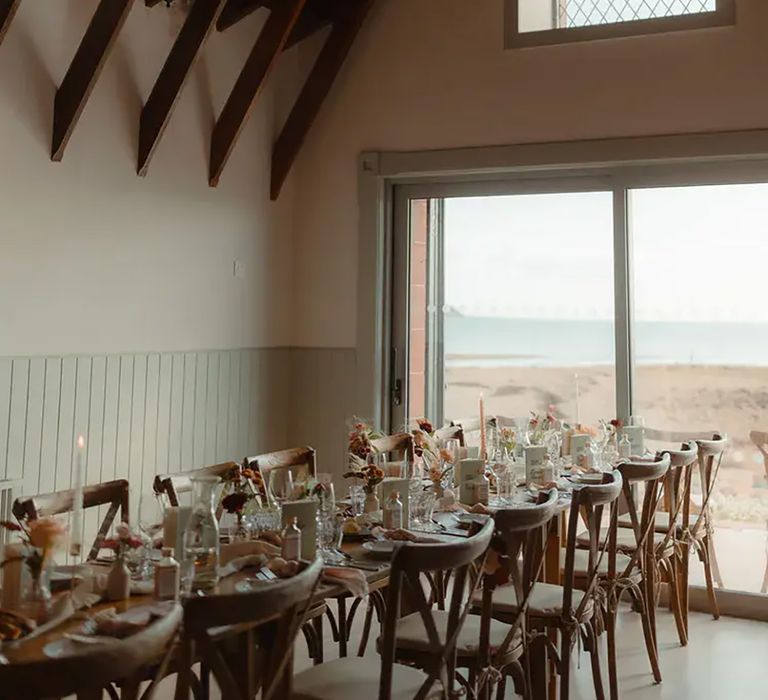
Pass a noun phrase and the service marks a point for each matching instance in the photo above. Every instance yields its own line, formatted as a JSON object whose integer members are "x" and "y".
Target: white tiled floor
{"x": 725, "y": 660}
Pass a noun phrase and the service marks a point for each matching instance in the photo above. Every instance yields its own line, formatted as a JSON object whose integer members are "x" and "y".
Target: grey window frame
{"x": 724, "y": 15}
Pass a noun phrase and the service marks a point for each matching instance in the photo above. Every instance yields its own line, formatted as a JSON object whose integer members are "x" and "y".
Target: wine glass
{"x": 280, "y": 486}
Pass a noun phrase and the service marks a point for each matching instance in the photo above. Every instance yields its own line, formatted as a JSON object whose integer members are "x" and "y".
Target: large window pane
{"x": 529, "y": 304}
{"x": 701, "y": 344}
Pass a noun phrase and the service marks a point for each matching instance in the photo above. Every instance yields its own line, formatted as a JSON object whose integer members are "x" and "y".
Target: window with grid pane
{"x": 586, "y": 13}
{"x": 534, "y": 22}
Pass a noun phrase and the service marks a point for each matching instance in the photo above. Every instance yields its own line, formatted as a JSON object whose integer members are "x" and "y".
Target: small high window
{"x": 541, "y": 22}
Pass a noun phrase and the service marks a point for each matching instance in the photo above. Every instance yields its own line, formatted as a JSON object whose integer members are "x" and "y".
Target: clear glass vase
{"x": 201, "y": 538}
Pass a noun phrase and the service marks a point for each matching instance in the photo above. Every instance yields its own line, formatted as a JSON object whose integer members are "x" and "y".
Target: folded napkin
{"x": 449, "y": 503}
{"x": 235, "y": 550}
{"x": 352, "y": 579}
{"x": 240, "y": 563}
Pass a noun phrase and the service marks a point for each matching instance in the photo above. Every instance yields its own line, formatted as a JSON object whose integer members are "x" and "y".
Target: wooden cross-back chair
{"x": 268, "y": 620}
{"x": 450, "y": 432}
{"x": 640, "y": 546}
{"x": 369, "y": 677}
{"x": 300, "y": 461}
{"x": 698, "y": 532}
{"x": 110, "y": 493}
{"x": 760, "y": 440}
{"x": 395, "y": 449}
{"x": 521, "y": 537}
{"x": 172, "y": 487}
{"x": 669, "y": 525}
{"x": 94, "y": 666}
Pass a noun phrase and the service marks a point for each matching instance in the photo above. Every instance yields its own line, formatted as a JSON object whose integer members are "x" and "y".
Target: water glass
{"x": 280, "y": 485}
{"x": 357, "y": 498}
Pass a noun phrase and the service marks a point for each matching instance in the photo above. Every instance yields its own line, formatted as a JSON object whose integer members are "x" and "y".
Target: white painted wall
{"x": 94, "y": 259}
{"x": 434, "y": 74}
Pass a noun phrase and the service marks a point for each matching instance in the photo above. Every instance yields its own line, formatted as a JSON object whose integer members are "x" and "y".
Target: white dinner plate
{"x": 379, "y": 548}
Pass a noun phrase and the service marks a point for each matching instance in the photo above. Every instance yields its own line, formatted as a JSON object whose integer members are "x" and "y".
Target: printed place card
{"x": 579, "y": 447}
{"x": 305, "y": 511}
{"x": 535, "y": 458}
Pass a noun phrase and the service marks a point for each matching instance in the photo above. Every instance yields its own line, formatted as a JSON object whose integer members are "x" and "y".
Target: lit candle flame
{"x": 80, "y": 442}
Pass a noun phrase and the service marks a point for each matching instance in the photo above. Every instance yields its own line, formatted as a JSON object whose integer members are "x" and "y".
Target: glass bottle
{"x": 167, "y": 576}
{"x": 291, "y": 549}
{"x": 393, "y": 512}
{"x": 201, "y": 538}
{"x": 625, "y": 447}
{"x": 482, "y": 488}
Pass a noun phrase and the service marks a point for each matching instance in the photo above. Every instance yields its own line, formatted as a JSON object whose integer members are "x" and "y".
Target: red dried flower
{"x": 425, "y": 425}
{"x": 8, "y": 525}
{"x": 234, "y": 502}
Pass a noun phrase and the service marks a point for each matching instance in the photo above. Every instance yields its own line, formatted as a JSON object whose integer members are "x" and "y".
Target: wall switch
{"x": 238, "y": 269}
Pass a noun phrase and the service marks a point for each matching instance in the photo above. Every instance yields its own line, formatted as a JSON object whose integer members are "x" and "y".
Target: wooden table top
{"x": 31, "y": 649}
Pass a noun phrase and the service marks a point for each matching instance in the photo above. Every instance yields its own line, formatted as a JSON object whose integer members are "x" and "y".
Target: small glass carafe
{"x": 201, "y": 538}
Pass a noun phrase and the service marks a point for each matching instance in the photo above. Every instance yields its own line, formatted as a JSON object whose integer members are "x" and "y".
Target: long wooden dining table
{"x": 33, "y": 649}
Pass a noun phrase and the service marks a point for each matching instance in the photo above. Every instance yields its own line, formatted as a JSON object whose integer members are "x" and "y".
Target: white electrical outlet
{"x": 238, "y": 269}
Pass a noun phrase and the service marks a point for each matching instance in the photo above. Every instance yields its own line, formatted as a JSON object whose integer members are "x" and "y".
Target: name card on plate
{"x": 401, "y": 486}
{"x": 174, "y": 524}
{"x": 636, "y": 436}
{"x": 305, "y": 511}
{"x": 535, "y": 457}
{"x": 579, "y": 446}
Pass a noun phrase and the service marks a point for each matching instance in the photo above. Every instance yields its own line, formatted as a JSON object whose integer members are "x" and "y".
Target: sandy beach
{"x": 674, "y": 397}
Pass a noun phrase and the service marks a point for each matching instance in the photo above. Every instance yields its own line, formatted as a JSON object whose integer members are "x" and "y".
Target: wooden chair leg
{"x": 713, "y": 560}
{"x": 650, "y": 644}
{"x": 707, "y": 562}
{"x": 317, "y": 625}
{"x": 674, "y": 601}
{"x": 343, "y": 636}
{"x": 565, "y": 664}
{"x": 594, "y": 658}
{"x": 613, "y": 674}
{"x": 682, "y": 582}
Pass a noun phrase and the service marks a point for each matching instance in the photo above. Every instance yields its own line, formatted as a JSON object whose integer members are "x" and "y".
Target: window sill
{"x": 724, "y": 16}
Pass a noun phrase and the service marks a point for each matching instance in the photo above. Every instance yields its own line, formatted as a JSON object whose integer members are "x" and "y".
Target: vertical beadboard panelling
{"x": 17, "y": 423}
{"x": 33, "y": 441}
{"x": 148, "y": 413}
{"x": 177, "y": 402}
{"x": 6, "y": 372}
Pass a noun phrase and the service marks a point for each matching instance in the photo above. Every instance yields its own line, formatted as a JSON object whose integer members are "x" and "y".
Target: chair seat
{"x": 356, "y": 677}
{"x": 625, "y": 539}
{"x": 545, "y": 601}
{"x": 411, "y": 635}
{"x": 661, "y": 519}
{"x": 581, "y": 562}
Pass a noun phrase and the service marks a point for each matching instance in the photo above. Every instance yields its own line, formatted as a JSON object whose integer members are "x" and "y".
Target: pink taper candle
{"x": 483, "y": 450}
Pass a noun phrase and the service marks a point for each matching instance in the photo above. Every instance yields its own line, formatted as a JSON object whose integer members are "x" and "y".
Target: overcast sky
{"x": 701, "y": 253}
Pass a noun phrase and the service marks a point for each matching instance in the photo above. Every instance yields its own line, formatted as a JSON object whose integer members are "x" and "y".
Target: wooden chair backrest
{"x": 676, "y": 436}
{"x": 677, "y": 485}
{"x": 172, "y": 486}
{"x": 450, "y": 432}
{"x": 94, "y": 666}
{"x": 760, "y": 440}
{"x": 298, "y": 462}
{"x": 111, "y": 493}
{"x": 409, "y": 562}
{"x": 643, "y": 514}
{"x": 401, "y": 444}
{"x": 710, "y": 457}
{"x": 523, "y": 532}
{"x": 282, "y": 603}
{"x": 588, "y": 503}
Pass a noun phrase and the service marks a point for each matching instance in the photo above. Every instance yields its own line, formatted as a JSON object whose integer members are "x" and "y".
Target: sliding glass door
{"x": 602, "y": 297}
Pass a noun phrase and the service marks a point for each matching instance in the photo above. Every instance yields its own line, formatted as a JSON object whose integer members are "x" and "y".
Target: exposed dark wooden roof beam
{"x": 312, "y": 95}
{"x": 257, "y": 67}
{"x": 83, "y": 72}
{"x": 7, "y": 11}
{"x": 235, "y": 10}
{"x": 169, "y": 84}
